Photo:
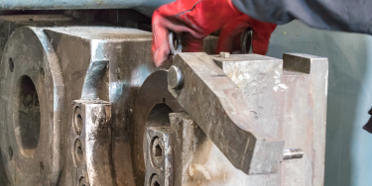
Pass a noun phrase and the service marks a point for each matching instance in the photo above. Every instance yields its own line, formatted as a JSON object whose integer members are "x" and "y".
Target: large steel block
{"x": 85, "y": 105}
{"x": 280, "y": 95}
{"x": 43, "y": 71}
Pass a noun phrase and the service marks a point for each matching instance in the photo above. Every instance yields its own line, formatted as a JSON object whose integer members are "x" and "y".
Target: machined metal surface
{"x": 283, "y": 95}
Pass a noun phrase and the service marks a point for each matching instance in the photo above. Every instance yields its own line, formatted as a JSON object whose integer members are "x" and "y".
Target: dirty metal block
{"x": 91, "y": 152}
{"x": 208, "y": 92}
{"x": 42, "y": 72}
{"x": 108, "y": 64}
{"x": 208, "y": 120}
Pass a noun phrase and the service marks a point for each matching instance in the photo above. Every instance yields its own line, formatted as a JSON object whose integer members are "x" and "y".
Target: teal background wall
{"x": 349, "y": 147}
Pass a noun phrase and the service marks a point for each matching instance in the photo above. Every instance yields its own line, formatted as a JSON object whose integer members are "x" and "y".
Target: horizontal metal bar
{"x": 78, "y": 4}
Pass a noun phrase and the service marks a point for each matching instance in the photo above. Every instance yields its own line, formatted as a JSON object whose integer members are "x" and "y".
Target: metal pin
{"x": 175, "y": 77}
{"x": 289, "y": 154}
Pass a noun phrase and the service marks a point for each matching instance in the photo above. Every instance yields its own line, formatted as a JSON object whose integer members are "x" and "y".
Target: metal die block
{"x": 91, "y": 150}
{"x": 158, "y": 157}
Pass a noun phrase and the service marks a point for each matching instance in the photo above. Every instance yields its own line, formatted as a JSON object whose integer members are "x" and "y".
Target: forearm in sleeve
{"x": 342, "y": 15}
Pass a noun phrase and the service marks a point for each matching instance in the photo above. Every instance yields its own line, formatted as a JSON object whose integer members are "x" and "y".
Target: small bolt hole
{"x": 175, "y": 43}
{"x": 41, "y": 70}
{"x": 78, "y": 121}
{"x": 10, "y": 153}
{"x": 78, "y": 151}
{"x": 11, "y": 65}
{"x": 158, "y": 151}
{"x": 41, "y": 165}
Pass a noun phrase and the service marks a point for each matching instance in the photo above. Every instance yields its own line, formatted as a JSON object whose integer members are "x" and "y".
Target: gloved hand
{"x": 196, "y": 19}
{"x": 230, "y": 36}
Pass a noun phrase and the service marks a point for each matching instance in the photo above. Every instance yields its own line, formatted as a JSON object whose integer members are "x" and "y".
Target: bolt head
{"x": 175, "y": 77}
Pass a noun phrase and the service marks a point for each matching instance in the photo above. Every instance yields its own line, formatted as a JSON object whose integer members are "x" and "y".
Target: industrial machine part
{"x": 199, "y": 158}
{"x": 83, "y": 105}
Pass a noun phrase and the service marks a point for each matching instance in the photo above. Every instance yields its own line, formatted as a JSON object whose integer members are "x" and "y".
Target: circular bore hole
{"x": 158, "y": 151}
{"x": 78, "y": 121}
{"x": 78, "y": 150}
{"x": 28, "y": 116}
{"x": 11, "y": 64}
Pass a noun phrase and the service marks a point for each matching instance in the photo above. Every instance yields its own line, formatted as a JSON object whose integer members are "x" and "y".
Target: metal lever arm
{"x": 217, "y": 105}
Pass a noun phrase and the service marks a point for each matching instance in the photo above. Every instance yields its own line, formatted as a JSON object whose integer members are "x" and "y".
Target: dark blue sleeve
{"x": 342, "y": 15}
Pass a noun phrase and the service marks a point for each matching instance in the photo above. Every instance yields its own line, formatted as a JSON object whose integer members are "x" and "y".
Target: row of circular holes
{"x": 11, "y": 69}
{"x": 78, "y": 147}
{"x": 157, "y": 158}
